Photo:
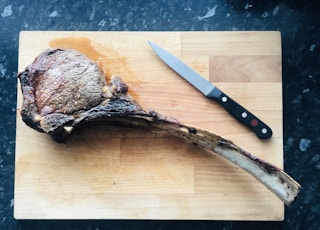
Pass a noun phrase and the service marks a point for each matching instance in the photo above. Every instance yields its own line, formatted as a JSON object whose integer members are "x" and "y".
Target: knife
{"x": 209, "y": 90}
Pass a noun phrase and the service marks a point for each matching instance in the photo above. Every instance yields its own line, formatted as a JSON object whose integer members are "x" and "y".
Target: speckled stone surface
{"x": 297, "y": 20}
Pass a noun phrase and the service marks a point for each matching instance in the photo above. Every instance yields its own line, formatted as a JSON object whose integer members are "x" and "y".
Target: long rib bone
{"x": 63, "y": 90}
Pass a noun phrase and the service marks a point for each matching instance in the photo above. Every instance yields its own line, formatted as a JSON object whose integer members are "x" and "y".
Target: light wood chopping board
{"x": 107, "y": 172}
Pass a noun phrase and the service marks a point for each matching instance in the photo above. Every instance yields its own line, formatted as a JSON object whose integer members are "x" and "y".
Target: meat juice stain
{"x": 109, "y": 60}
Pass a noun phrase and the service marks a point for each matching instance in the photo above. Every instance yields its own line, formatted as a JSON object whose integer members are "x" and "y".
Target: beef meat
{"x": 63, "y": 90}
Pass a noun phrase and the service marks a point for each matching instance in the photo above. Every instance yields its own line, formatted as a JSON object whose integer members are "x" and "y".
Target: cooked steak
{"x": 63, "y": 89}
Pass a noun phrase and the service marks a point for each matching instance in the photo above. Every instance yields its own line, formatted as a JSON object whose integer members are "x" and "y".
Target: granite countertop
{"x": 297, "y": 20}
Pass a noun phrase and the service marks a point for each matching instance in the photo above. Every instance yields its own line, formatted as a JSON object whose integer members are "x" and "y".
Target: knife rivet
{"x": 244, "y": 115}
{"x": 224, "y": 99}
{"x": 264, "y": 130}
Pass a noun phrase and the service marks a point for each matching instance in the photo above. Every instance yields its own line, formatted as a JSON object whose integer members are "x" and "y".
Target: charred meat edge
{"x": 64, "y": 90}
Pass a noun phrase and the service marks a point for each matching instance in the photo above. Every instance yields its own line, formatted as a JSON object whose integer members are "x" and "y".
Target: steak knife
{"x": 210, "y": 91}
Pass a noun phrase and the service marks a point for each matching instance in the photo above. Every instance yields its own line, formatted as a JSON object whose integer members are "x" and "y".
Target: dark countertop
{"x": 297, "y": 20}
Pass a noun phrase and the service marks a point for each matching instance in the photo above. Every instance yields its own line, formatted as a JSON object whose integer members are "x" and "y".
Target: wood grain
{"x": 107, "y": 172}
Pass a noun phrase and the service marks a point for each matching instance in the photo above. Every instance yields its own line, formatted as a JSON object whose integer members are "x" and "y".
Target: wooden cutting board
{"x": 107, "y": 172}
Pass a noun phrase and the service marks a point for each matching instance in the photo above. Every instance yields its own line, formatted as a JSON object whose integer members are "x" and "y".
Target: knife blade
{"x": 247, "y": 118}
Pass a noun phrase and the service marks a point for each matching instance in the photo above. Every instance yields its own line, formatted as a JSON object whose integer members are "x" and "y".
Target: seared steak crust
{"x": 63, "y": 88}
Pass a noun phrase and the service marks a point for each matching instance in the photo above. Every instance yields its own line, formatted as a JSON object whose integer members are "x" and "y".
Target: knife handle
{"x": 244, "y": 116}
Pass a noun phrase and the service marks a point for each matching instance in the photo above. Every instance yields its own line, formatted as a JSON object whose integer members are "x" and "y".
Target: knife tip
{"x": 151, "y": 43}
